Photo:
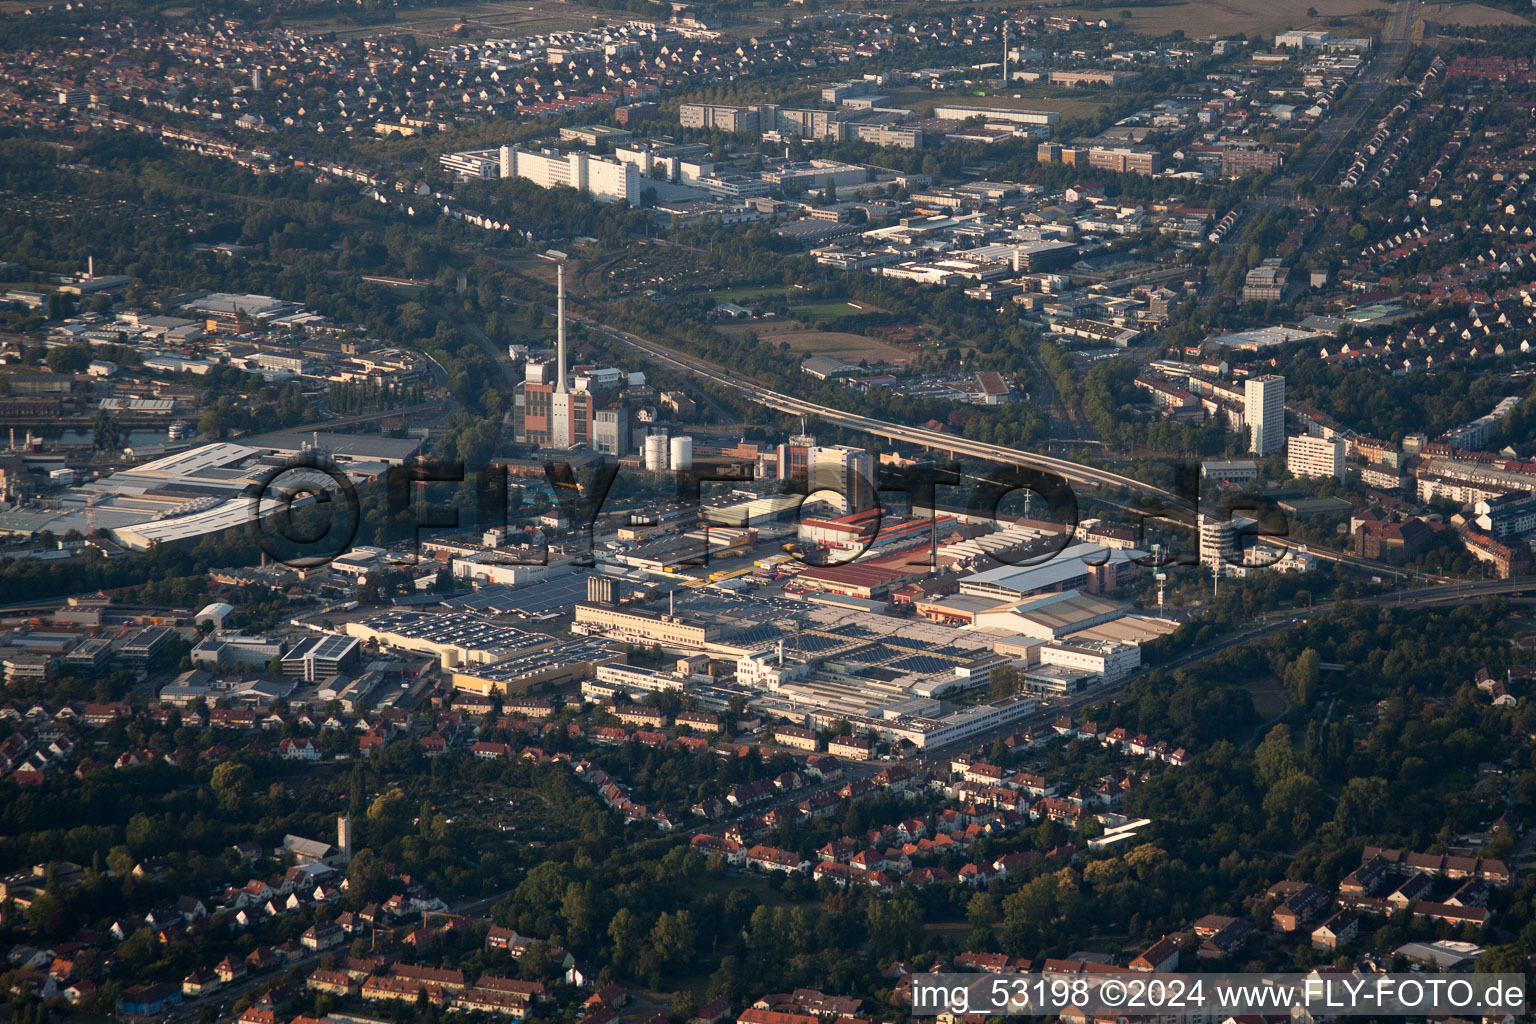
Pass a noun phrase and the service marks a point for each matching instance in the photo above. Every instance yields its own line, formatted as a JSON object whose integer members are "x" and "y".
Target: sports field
{"x": 817, "y": 312}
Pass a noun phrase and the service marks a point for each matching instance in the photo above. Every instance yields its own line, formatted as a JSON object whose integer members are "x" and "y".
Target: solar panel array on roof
{"x": 815, "y": 643}
{"x": 458, "y": 631}
{"x": 492, "y": 599}
{"x": 765, "y": 634}
{"x": 146, "y": 638}
{"x": 922, "y": 663}
{"x": 908, "y": 643}
{"x": 573, "y": 652}
{"x": 333, "y": 647}
{"x": 537, "y": 599}
{"x": 871, "y": 655}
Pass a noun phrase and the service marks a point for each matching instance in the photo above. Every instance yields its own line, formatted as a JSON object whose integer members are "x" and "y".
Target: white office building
{"x": 1264, "y": 413}
{"x": 596, "y": 176}
{"x": 482, "y": 163}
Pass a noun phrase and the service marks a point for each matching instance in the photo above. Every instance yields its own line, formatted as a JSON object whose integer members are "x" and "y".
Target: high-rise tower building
{"x": 1264, "y": 413}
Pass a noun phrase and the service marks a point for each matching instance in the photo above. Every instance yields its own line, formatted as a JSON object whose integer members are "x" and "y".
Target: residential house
{"x": 1339, "y": 930}
{"x": 1300, "y": 905}
{"x": 1162, "y": 955}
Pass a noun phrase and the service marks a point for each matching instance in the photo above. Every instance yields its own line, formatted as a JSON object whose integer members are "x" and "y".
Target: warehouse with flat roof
{"x": 1086, "y": 567}
{"x": 1050, "y": 616}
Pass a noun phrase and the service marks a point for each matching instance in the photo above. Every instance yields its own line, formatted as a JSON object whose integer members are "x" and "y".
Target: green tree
{"x": 1274, "y": 759}
{"x": 981, "y": 911}
{"x": 672, "y": 940}
{"x": 69, "y": 358}
{"x": 365, "y": 877}
{"x": 104, "y": 431}
{"x": 389, "y": 808}
{"x": 1360, "y": 805}
{"x": 1302, "y": 676}
{"x": 1006, "y": 681}
{"x": 628, "y": 935}
{"x": 231, "y": 780}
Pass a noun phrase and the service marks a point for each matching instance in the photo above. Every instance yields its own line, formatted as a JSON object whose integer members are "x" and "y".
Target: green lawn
{"x": 744, "y": 294}
{"x": 817, "y": 312}
{"x": 1268, "y": 697}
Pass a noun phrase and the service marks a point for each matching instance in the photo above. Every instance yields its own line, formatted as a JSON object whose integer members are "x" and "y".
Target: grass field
{"x": 481, "y": 20}
{"x": 817, "y": 312}
{"x": 806, "y": 341}
{"x": 745, "y": 294}
{"x": 539, "y": 268}
{"x": 1204, "y": 17}
{"x": 1472, "y": 14}
{"x": 1268, "y": 697}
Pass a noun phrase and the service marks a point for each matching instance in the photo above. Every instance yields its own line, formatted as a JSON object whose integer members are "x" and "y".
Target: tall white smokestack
{"x": 560, "y": 328}
{"x": 1005, "y": 53}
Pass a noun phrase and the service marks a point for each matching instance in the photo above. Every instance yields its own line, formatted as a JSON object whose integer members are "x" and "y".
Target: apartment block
{"x": 1315, "y": 457}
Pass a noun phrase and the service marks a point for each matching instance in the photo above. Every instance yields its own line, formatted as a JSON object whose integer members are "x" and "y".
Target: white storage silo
{"x": 656, "y": 453}
{"x": 682, "y": 453}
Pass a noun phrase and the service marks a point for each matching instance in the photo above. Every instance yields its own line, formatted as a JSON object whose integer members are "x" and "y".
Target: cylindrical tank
{"x": 682, "y": 453}
{"x": 656, "y": 453}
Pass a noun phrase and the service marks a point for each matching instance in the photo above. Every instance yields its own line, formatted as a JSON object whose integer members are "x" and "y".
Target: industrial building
{"x": 1006, "y": 115}
{"x": 454, "y": 640}
{"x": 553, "y": 410}
{"x": 640, "y": 625}
{"x": 234, "y": 648}
{"x": 198, "y": 493}
{"x": 322, "y": 657}
{"x": 552, "y": 665}
{"x": 1108, "y": 660}
{"x": 1086, "y": 567}
{"x": 1048, "y": 616}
